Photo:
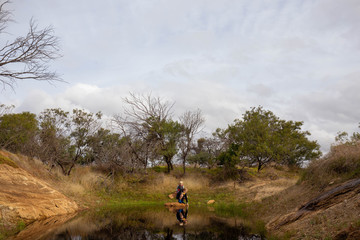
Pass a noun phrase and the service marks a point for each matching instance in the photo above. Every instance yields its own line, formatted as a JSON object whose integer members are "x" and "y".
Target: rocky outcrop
{"x": 24, "y": 197}
{"x": 323, "y": 201}
{"x": 176, "y": 205}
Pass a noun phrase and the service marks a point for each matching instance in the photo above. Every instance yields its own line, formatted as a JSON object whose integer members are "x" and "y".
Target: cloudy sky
{"x": 299, "y": 58}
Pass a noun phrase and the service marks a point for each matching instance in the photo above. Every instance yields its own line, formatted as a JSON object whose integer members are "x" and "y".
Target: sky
{"x": 299, "y": 59}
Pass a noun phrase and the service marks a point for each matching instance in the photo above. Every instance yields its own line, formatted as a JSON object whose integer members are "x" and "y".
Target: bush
{"x": 340, "y": 164}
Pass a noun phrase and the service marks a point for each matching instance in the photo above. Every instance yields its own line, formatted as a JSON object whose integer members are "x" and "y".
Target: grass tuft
{"x": 6, "y": 160}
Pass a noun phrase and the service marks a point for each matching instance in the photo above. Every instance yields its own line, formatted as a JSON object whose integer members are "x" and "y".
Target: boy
{"x": 181, "y": 193}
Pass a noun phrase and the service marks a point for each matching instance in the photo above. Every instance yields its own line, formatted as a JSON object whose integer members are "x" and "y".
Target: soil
{"x": 24, "y": 197}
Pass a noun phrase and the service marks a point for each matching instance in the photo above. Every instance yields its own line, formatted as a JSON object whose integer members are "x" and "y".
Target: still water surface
{"x": 142, "y": 223}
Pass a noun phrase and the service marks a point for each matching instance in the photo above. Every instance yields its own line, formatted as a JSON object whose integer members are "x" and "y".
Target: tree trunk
{"x": 184, "y": 165}
{"x": 168, "y": 167}
{"x": 69, "y": 171}
{"x": 259, "y": 166}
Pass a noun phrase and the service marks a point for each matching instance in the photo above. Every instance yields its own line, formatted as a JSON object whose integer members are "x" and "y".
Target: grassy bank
{"x": 248, "y": 198}
{"x": 257, "y": 197}
{"x": 91, "y": 187}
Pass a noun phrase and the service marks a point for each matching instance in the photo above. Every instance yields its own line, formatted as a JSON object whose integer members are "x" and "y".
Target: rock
{"x": 176, "y": 205}
{"x": 211, "y": 202}
{"x": 25, "y": 197}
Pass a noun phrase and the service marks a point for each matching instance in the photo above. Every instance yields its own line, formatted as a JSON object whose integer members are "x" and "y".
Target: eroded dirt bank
{"x": 330, "y": 214}
{"x": 26, "y": 198}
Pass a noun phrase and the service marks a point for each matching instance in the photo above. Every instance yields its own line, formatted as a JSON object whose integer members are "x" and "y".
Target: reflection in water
{"x": 142, "y": 223}
{"x": 181, "y": 216}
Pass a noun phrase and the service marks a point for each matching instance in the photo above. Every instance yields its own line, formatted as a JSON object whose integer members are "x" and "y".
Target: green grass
{"x": 6, "y": 232}
{"x": 7, "y": 161}
{"x": 20, "y": 226}
{"x": 231, "y": 210}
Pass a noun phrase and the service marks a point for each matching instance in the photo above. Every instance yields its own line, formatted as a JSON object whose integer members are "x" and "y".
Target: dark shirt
{"x": 180, "y": 189}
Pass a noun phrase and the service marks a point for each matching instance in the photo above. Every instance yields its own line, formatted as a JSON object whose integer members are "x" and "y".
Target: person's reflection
{"x": 181, "y": 216}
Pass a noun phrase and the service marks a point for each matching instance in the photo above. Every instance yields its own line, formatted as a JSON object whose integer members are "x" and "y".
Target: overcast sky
{"x": 299, "y": 58}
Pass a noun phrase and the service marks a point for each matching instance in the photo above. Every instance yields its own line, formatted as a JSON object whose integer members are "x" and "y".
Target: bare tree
{"x": 6, "y": 109}
{"x": 27, "y": 57}
{"x": 191, "y": 122}
{"x": 137, "y": 125}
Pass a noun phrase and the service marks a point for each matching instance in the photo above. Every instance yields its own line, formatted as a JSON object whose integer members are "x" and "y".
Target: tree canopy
{"x": 260, "y": 138}
{"x": 147, "y": 134}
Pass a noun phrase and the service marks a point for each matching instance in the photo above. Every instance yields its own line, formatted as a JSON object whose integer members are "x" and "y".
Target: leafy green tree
{"x": 261, "y": 137}
{"x": 293, "y": 147}
{"x": 83, "y": 126}
{"x": 54, "y": 138}
{"x": 18, "y": 132}
{"x": 166, "y": 134}
{"x": 207, "y": 151}
{"x": 109, "y": 151}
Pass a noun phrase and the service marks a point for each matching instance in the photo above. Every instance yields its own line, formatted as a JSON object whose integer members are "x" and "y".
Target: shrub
{"x": 340, "y": 164}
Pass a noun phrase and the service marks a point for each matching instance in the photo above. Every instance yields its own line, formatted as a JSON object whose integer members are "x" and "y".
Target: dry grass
{"x": 160, "y": 183}
{"x": 339, "y": 165}
{"x": 82, "y": 181}
{"x": 325, "y": 224}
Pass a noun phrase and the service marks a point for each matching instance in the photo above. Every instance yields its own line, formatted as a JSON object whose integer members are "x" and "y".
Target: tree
{"x": 344, "y": 138}
{"x": 27, "y": 57}
{"x": 6, "y": 109}
{"x": 18, "y": 132}
{"x": 207, "y": 151}
{"x": 261, "y": 137}
{"x": 144, "y": 124}
{"x": 83, "y": 126}
{"x": 191, "y": 122}
{"x": 109, "y": 151}
{"x": 293, "y": 147}
{"x": 54, "y": 138}
{"x": 166, "y": 135}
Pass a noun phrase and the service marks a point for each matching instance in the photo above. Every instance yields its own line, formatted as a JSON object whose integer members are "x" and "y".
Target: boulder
{"x": 24, "y": 197}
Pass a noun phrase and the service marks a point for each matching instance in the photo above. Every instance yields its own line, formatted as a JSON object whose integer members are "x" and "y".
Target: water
{"x": 142, "y": 223}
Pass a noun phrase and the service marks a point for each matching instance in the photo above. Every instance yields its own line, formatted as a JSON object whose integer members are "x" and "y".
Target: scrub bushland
{"x": 342, "y": 163}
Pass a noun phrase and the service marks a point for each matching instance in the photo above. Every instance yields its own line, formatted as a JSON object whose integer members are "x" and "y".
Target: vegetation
{"x": 18, "y": 132}
{"x": 7, "y": 161}
{"x": 147, "y": 135}
{"x": 261, "y": 138}
{"x": 132, "y": 161}
{"x": 26, "y": 57}
{"x": 340, "y": 164}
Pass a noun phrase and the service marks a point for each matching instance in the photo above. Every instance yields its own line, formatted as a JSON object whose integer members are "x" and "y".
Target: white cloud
{"x": 298, "y": 58}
